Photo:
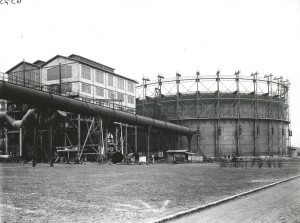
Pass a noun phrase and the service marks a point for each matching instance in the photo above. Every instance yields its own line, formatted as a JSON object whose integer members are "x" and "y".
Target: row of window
{"x": 31, "y": 75}
{"x": 32, "y": 78}
{"x": 100, "y": 78}
{"x": 65, "y": 70}
{"x": 53, "y": 72}
{"x": 111, "y": 94}
{"x": 87, "y": 88}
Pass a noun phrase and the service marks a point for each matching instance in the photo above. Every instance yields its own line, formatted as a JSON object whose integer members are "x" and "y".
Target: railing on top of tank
{"x": 213, "y": 77}
{"x": 243, "y": 94}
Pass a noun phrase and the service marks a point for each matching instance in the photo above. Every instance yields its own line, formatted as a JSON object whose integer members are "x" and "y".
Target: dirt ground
{"x": 280, "y": 203}
{"x": 121, "y": 193}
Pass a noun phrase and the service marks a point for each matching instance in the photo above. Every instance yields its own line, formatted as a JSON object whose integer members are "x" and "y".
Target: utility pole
{"x": 160, "y": 77}
{"x": 59, "y": 72}
{"x": 144, "y": 92}
{"x": 24, "y": 73}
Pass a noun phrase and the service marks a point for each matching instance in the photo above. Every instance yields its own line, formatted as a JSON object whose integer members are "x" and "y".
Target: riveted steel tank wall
{"x": 231, "y": 121}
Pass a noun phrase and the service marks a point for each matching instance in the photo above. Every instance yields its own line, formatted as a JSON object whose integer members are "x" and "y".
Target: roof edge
{"x": 21, "y": 64}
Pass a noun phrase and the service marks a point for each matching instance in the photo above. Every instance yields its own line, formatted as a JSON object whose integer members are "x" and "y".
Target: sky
{"x": 146, "y": 38}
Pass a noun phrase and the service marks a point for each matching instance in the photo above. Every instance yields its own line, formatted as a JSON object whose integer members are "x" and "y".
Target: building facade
{"x": 26, "y": 74}
{"x": 85, "y": 79}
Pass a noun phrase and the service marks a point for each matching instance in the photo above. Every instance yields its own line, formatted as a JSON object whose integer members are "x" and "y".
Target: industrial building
{"x": 73, "y": 77}
{"x": 75, "y": 107}
{"x": 76, "y": 76}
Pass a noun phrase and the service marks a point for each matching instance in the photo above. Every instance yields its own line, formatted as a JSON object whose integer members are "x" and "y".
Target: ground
{"x": 280, "y": 203}
{"x": 121, "y": 193}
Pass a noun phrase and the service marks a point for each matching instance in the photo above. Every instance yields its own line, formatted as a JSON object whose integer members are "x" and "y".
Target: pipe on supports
{"x": 31, "y": 116}
{"x": 38, "y": 98}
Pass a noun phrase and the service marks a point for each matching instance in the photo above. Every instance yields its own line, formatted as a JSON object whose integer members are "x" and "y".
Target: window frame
{"x": 88, "y": 86}
{"x": 100, "y": 89}
{"x": 87, "y": 75}
{"x": 121, "y": 83}
{"x": 130, "y": 86}
{"x": 99, "y": 75}
{"x": 110, "y": 80}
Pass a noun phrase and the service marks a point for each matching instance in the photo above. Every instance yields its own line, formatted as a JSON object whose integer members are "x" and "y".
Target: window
{"x": 99, "y": 91}
{"x": 66, "y": 87}
{"x": 86, "y": 88}
{"x": 121, "y": 97}
{"x": 130, "y": 99}
{"x": 66, "y": 71}
{"x": 120, "y": 83}
{"x": 99, "y": 76}
{"x": 110, "y": 80}
{"x": 86, "y": 72}
{"x": 130, "y": 86}
{"x": 111, "y": 94}
{"x": 53, "y": 72}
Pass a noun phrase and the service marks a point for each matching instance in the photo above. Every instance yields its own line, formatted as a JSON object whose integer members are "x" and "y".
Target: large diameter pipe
{"x": 30, "y": 116}
{"x": 43, "y": 99}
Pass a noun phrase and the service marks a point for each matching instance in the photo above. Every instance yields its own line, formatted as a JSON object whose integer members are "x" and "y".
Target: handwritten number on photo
{"x": 10, "y": 1}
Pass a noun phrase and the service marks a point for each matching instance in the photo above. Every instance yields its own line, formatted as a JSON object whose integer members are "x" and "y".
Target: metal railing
{"x": 60, "y": 90}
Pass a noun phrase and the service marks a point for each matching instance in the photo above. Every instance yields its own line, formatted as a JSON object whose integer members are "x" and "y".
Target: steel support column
{"x": 79, "y": 135}
{"x": 197, "y": 112}
{"x": 256, "y": 124}
{"x": 238, "y": 127}
{"x": 135, "y": 139}
{"x": 34, "y": 147}
{"x": 189, "y": 138}
{"x": 20, "y": 142}
{"x": 6, "y": 142}
{"x": 218, "y": 128}
{"x": 106, "y": 126}
{"x": 50, "y": 150}
{"x": 148, "y": 136}
{"x": 177, "y": 109}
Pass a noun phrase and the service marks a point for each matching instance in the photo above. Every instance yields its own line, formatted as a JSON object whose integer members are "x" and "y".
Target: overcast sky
{"x": 139, "y": 37}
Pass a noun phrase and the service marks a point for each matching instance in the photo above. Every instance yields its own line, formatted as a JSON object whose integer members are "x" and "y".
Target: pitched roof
{"x": 90, "y": 62}
{"x": 98, "y": 65}
{"x": 21, "y": 63}
{"x": 39, "y": 62}
{"x": 53, "y": 58}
